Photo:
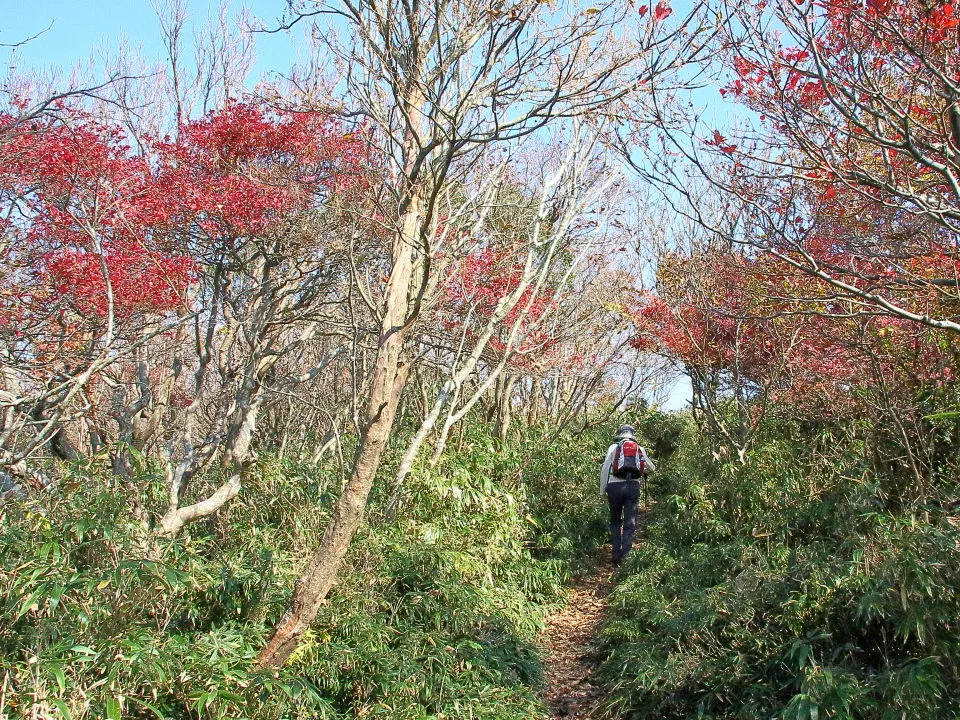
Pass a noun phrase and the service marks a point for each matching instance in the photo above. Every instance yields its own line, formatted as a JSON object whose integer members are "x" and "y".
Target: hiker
{"x": 624, "y": 467}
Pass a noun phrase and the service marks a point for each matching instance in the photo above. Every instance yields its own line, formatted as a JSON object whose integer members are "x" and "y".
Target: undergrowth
{"x": 435, "y": 614}
{"x": 806, "y": 583}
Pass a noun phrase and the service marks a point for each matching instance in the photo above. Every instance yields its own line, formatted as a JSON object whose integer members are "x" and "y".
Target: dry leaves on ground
{"x": 570, "y": 690}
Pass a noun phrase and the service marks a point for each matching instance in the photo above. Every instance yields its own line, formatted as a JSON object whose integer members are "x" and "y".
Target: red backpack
{"x": 627, "y": 460}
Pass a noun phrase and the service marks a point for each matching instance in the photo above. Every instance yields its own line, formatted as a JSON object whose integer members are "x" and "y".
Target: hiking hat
{"x": 625, "y": 431}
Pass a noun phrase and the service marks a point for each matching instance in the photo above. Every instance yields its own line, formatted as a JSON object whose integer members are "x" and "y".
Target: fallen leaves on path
{"x": 569, "y": 638}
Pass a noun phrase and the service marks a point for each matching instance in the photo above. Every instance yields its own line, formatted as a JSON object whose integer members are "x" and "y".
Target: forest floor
{"x": 570, "y": 691}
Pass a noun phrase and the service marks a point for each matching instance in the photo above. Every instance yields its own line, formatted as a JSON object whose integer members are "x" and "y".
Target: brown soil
{"x": 570, "y": 690}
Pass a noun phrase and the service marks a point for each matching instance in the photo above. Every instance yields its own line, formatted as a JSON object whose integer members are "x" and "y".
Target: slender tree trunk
{"x": 533, "y": 403}
{"x": 389, "y": 376}
{"x": 504, "y": 406}
{"x": 426, "y": 427}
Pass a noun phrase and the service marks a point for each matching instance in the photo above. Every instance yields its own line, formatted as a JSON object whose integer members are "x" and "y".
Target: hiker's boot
{"x": 616, "y": 541}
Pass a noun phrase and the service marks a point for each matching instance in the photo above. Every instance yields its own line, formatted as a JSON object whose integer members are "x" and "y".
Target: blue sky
{"x": 79, "y": 28}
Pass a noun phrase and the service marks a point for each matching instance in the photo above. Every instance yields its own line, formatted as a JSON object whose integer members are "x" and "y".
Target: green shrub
{"x": 435, "y": 615}
{"x": 798, "y": 585}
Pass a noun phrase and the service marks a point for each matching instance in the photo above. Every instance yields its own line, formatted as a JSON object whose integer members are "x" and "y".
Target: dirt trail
{"x": 569, "y": 638}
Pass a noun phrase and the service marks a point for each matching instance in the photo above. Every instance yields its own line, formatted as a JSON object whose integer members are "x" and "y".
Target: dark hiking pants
{"x": 622, "y": 497}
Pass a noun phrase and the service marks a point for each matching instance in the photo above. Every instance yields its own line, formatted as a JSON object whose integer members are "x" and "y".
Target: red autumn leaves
{"x": 101, "y": 229}
{"x": 942, "y": 19}
{"x": 721, "y": 143}
{"x": 78, "y": 202}
{"x": 743, "y": 317}
{"x": 478, "y": 283}
{"x": 661, "y": 11}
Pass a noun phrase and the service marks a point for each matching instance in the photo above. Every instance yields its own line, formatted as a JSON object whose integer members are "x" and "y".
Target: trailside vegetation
{"x": 438, "y": 616}
{"x": 806, "y": 581}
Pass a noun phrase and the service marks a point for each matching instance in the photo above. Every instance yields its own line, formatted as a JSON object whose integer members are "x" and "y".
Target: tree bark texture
{"x": 389, "y": 376}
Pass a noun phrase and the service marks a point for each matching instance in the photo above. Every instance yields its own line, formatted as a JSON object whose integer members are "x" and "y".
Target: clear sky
{"x": 78, "y": 29}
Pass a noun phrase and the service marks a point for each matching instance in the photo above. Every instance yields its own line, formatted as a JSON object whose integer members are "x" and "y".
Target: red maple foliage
{"x": 857, "y": 181}
{"x": 101, "y": 233}
{"x": 662, "y": 11}
{"x": 472, "y": 292}
{"x": 744, "y": 321}
{"x": 74, "y": 195}
{"x": 241, "y": 169}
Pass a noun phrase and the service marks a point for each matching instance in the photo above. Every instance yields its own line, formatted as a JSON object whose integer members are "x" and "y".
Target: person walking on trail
{"x": 624, "y": 467}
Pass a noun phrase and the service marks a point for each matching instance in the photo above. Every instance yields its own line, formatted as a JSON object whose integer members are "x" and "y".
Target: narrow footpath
{"x": 569, "y": 640}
